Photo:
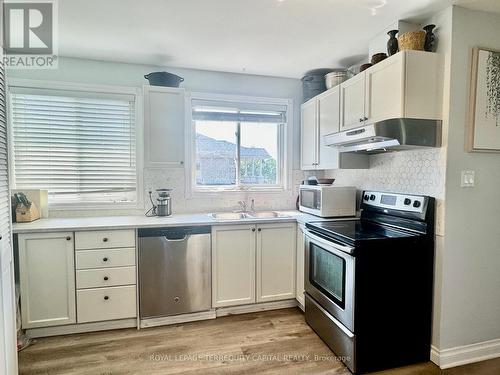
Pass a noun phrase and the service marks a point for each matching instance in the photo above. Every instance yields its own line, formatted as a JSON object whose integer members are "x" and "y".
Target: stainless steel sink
{"x": 246, "y": 215}
{"x": 229, "y": 216}
{"x": 265, "y": 214}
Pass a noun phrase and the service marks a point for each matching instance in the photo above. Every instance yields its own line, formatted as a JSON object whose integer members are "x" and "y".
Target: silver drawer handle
{"x": 106, "y": 298}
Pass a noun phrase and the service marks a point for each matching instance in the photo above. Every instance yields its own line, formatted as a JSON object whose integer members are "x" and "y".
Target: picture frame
{"x": 483, "y": 128}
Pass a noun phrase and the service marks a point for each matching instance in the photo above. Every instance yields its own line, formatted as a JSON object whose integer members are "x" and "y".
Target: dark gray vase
{"x": 430, "y": 38}
{"x": 392, "y": 43}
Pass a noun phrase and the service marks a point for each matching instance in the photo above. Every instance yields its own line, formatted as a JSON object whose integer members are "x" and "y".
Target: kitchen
{"x": 220, "y": 217}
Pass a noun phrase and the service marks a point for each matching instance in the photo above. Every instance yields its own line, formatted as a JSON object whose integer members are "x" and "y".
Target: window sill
{"x": 96, "y": 206}
{"x": 217, "y": 192}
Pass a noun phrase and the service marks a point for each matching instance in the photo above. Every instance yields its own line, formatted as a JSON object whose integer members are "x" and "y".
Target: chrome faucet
{"x": 252, "y": 205}
{"x": 243, "y": 205}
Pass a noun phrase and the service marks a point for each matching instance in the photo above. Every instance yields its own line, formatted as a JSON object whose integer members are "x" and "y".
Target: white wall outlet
{"x": 468, "y": 179}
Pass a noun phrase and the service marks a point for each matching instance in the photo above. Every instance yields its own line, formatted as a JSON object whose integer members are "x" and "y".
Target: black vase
{"x": 392, "y": 43}
{"x": 430, "y": 38}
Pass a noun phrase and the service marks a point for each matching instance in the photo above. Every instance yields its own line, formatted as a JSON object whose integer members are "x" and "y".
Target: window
{"x": 78, "y": 145}
{"x": 238, "y": 145}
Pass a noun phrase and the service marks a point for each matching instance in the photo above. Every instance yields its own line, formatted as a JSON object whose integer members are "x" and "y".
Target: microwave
{"x": 327, "y": 201}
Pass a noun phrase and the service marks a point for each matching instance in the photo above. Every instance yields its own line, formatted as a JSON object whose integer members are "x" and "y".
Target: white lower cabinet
{"x": 101, "y": 304}
{"x": 47, "y": 278}
{"x": 252, "y": 263}
{"x": 105, "y": 277}
{"x": 62, "y": 286}
{"x": 301, "y": 243}
{"x": 233, "y": 265}
{"x": 275, "y": 262}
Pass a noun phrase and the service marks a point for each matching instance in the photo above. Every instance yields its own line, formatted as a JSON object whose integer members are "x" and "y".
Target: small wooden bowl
{"x": 412, "y": 40}
{"x": 325, "y": 181}
{"x": 378, "y": 57}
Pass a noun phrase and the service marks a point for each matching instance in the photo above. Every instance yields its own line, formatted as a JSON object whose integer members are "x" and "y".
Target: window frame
{"x": 71, "y": 86}
{"x": 285, "y": 141}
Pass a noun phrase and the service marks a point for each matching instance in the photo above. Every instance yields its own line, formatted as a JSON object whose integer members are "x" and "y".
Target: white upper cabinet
{"x": 47, "y": 278}
{"x": 309, "y": 137}
{"x": 384, "y": 90}
{"x": 328, "y": 122}
{"x": 406, "y": 85}
{"x": 352, "y": 102}
{"x": 321, "y": 116}
{"x": 163, "y": 126}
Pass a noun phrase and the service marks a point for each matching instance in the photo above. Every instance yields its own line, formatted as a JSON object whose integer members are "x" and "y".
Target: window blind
{"x": 77, "y": 145}
{"x": 207, "y": 110}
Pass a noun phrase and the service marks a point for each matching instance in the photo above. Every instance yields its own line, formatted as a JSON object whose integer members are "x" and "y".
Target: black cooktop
{"x": 352, "y": 231}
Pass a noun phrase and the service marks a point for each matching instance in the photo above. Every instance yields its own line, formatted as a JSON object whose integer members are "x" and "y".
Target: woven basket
{"x": 413, "y": 40}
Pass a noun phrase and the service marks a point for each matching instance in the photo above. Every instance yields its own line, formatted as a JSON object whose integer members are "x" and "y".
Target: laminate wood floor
{"x": 271, "y": 342}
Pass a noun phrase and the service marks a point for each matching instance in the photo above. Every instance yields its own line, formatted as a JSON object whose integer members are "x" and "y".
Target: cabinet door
{"x": 47, "y": 276}
{"x": 276, "y": 262}
{"x": 352, "y": 102}
{"x": 308, "y": 135}
{"x": 328, "y": 123}
{"x": 233, "y": 265}
{"x": 385, "y": 90}
{"x": 163, "y": 126}
{"x": 299, "y": 285}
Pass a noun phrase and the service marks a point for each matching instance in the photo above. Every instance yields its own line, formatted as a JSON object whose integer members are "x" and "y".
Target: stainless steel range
{"x": 369, "y": 282}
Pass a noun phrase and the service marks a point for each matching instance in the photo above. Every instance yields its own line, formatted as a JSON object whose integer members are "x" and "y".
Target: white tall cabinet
{"x": 8, "y": 346}
{"x": 47, "y": 277}
{"x": 163, "y": 126}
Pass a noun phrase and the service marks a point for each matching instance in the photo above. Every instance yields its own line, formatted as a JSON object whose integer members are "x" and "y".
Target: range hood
{"x": 388, "y": 135}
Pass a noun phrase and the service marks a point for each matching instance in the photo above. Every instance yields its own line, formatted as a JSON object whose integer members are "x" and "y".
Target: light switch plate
{"x": 468, "y": 179}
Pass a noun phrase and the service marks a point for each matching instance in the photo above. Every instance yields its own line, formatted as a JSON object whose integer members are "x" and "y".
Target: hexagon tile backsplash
{"x": 413, "y": 172}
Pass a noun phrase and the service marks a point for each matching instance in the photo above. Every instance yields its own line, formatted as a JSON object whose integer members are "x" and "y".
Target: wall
{"x": 471, "y": 278}
{"x": 110, "y": 73}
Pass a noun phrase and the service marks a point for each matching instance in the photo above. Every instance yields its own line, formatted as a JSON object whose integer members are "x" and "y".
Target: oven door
{"x": 329, "y": 277}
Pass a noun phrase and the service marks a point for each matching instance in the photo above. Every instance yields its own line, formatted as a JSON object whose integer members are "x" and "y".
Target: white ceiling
{"x": 269, "y": 37}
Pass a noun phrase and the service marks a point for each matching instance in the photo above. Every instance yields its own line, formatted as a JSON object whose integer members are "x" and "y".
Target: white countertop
{"x": 141, "y": 221}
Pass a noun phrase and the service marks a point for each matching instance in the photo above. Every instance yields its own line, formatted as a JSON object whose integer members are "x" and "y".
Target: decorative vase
{"x": 430, "y": 38}
{"x": 392, "y": 43}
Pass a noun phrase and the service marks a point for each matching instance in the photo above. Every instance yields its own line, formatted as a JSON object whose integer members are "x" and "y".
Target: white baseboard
{"x": 463, "y": 355}
{"x": 245, "y": 309}
{"x": 177, "y": 319}
{"x": 81, "y": 328}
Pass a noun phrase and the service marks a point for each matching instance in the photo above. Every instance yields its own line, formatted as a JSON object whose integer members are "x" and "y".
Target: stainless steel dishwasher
{"x": 174, "y": 271}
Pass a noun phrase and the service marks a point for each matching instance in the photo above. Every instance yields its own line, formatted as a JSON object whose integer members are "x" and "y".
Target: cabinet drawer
{"x": 104, "y": 239}
{"x": 105, "y": 258}
{"x": 105, "y": 277}
{"x": 94, "y": 305}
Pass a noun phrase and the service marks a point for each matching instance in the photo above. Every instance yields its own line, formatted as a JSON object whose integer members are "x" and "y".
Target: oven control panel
{"x": 401, "y": 202}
